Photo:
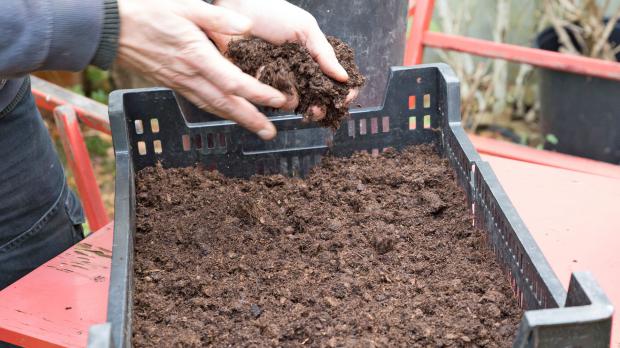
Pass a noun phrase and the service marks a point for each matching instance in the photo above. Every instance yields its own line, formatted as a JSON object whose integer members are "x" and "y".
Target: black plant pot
{"x": 582, "y": 112}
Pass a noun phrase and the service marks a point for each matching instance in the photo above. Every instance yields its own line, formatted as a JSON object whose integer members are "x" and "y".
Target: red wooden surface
{"x": 78, "y": 160}
{"x": 55, "y": 305}
{"x": 420, "y": 37}
{"x": 549, "y": 159}
{"x": 572, "y": 215}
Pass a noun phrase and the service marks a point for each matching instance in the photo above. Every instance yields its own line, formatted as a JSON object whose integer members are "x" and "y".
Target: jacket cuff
{"x": 74, "y": 29}
{"x": 108, "y": 41}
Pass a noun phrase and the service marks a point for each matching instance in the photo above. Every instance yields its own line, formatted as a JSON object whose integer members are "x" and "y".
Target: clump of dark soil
{"x": 364, "y": 252}
{"x": 291, "y": 69}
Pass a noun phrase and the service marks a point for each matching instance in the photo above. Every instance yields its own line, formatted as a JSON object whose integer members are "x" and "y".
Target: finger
{"x": 323, "y": 53}
{"x": 248, "y": 117}
{"x": 218, "y": 19}
{"x": 316, "y": 112}
{"x": 292, "y": 99}
{"x": 206, "y": 96}
{"x": 221, "y": 40}
{"x": 259, "y": 72}
{"x": 228, "y": 78}
{"x": 353, "y": 93}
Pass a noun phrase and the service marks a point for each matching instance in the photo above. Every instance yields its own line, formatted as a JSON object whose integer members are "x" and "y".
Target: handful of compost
{"x": 291, "y": 69}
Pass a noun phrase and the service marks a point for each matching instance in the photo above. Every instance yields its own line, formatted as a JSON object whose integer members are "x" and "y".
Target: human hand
{"x": 278, "y": 21}
{"x": 166, "y": 41}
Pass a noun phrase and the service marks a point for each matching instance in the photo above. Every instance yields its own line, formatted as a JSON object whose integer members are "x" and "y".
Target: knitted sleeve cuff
{"x": 108, "y": 41}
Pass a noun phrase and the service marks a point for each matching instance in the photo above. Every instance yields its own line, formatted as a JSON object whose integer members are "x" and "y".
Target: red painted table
{"x": 54, "y": 305}
{"x": 570, "y": 205}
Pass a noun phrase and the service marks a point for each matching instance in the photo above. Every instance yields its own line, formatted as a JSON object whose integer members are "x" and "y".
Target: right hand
{"x": 165, "y": 40}
{"x": 278, "y": 21}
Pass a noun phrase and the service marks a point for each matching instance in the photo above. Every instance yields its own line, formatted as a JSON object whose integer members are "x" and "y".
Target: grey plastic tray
{"x": 422, "y": 105}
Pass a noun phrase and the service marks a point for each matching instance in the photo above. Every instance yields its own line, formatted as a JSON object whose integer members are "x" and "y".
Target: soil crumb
{"x": 291, "y": 69}
{"x": 365, "y": 252}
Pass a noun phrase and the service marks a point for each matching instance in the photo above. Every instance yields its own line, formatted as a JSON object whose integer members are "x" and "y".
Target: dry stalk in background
{"x": 581, "y": 28}
{"x": 489, "y": 96}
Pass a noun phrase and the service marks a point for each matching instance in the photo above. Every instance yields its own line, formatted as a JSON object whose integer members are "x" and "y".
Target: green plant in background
{"x": 550, "y": 139}
{"x": 96, "y": 85}
{"x": 100, "y": 96}
{"x": 86, "y": 229}
{"x": 77, "y": 89}
{"x": 97, "y": 146}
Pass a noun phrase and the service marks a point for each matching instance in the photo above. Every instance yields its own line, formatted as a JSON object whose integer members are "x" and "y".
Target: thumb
{"x": 218, "y": 19}
{"x": 323, "y": 53}
{"x": 221, "y": 40}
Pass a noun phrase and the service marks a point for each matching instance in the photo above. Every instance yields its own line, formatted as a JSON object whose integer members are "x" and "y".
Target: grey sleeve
{"x": 56, "y": 35}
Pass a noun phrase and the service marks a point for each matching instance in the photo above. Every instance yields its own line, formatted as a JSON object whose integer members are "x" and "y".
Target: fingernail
{"x": 277, "y": 101}
{"x": 267, "y": 133}
{"x": 343, "y": 72}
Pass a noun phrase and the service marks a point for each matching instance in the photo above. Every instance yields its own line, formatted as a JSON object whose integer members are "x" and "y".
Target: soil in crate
{"x": 291, "y": 69}
{"x": 367, "y": 251}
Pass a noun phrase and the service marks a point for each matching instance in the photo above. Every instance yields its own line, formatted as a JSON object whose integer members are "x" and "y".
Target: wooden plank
{"x": 54, "y": 305}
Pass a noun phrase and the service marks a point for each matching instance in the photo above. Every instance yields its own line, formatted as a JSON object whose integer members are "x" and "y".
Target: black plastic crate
{"x": 422, "y": 105}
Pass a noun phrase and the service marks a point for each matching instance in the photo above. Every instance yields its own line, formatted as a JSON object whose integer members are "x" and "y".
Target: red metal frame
{"x": 420, "y": 36}
{"x": 67, "y": 108}
{"x": 91, "y": 113}
{"x": 422, "y": 13}
{"x": 79, "y": 162}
